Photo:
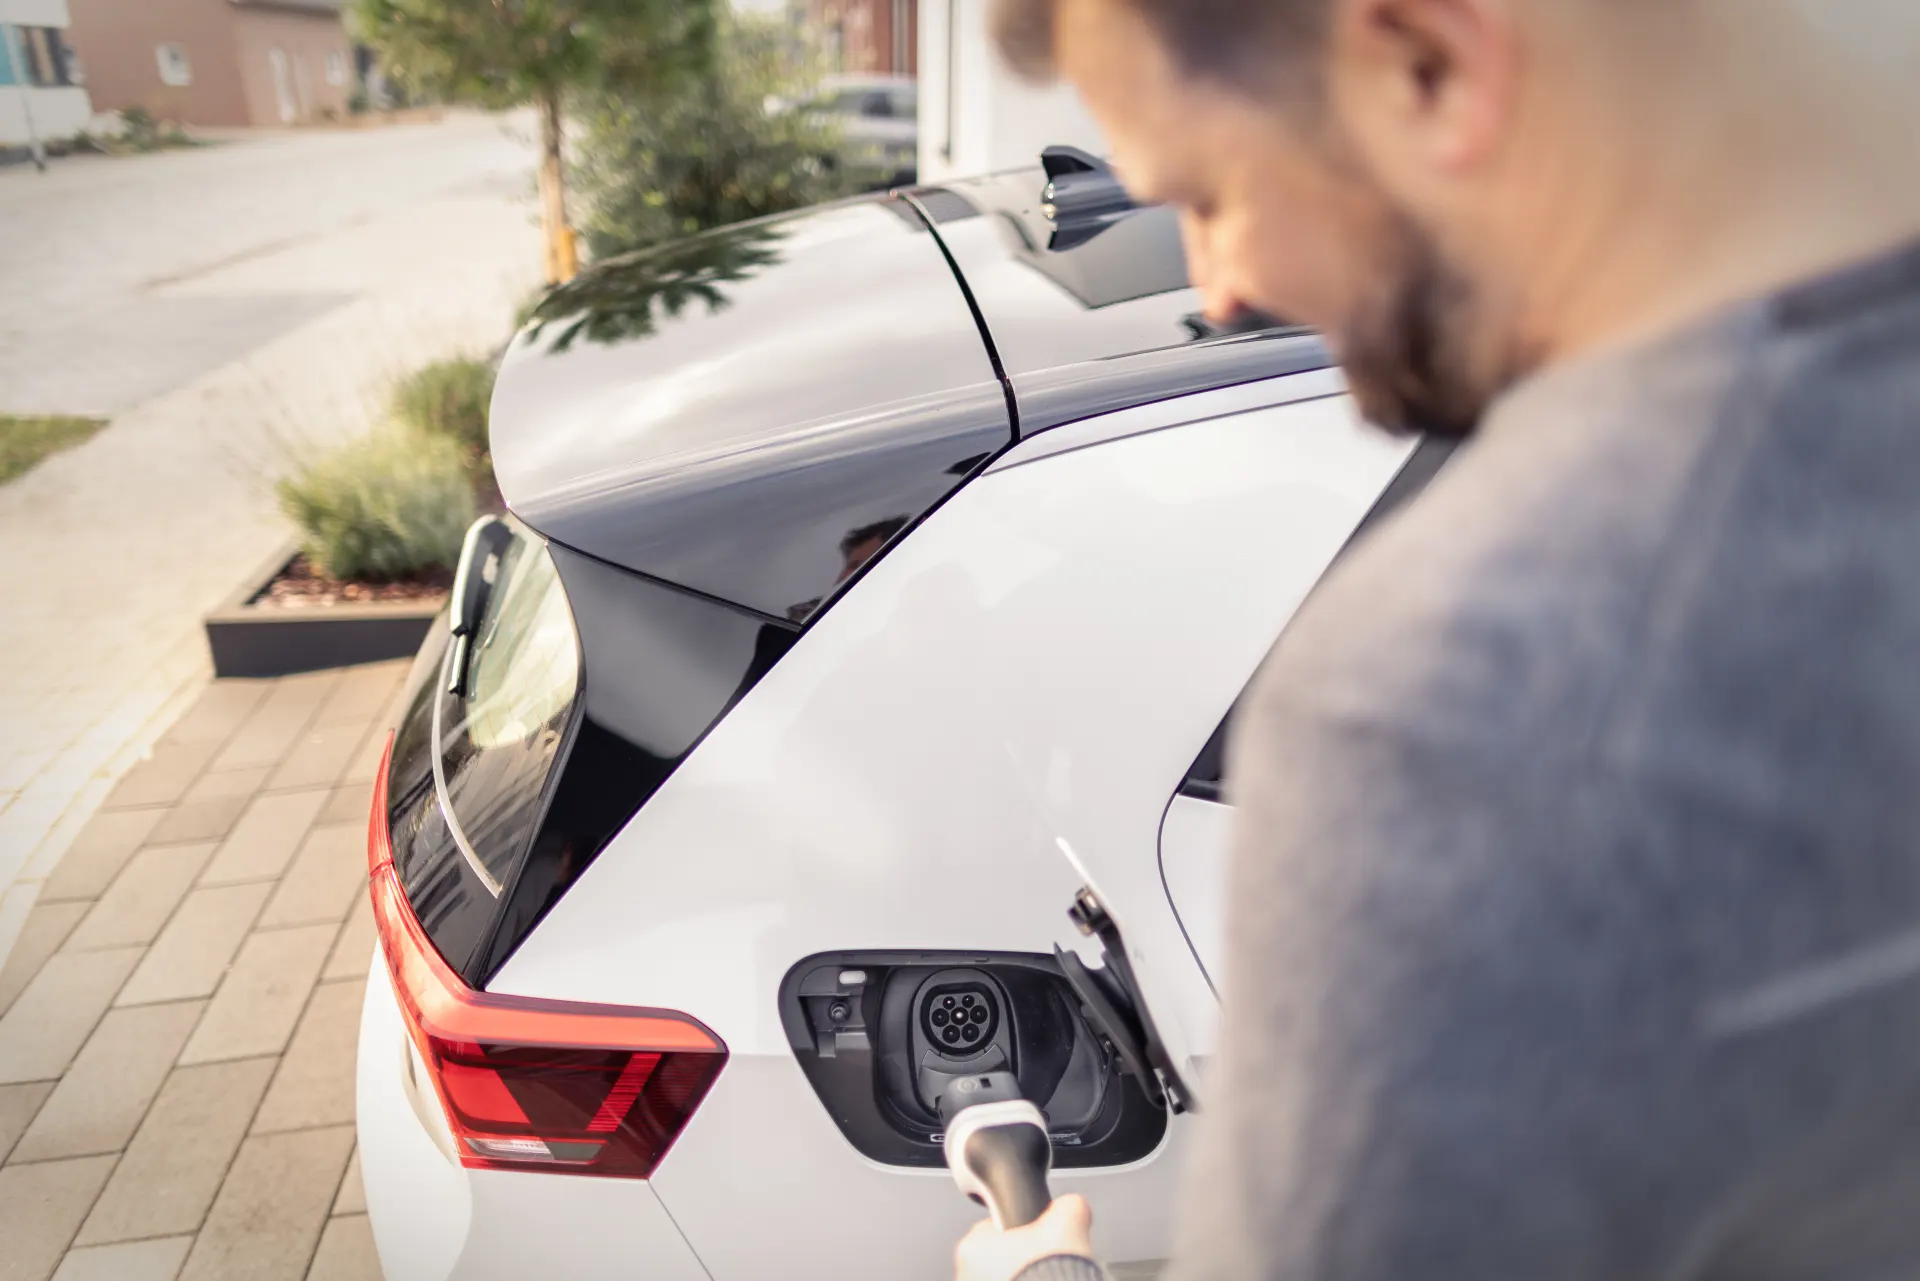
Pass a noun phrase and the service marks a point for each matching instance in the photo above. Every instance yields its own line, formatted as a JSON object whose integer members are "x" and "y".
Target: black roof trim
{"x": 1055, "y": 397}
{"x": 973, "y": 305}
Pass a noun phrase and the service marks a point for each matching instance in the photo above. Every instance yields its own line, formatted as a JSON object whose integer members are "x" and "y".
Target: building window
{"x": 36, "y": 56}
{"x": 336, "y": 68}
{"x": 174, "y": 68}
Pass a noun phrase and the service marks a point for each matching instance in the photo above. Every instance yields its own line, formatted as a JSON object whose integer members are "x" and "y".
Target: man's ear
{"x": 1424, "y": 85}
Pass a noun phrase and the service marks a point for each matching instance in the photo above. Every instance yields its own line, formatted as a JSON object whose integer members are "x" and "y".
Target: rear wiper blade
{"x": 473, "y": 582}
{"x": 1114, "y": 1004}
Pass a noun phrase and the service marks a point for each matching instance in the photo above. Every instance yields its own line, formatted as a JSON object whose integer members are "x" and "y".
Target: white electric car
{"x": 838, "y": 714}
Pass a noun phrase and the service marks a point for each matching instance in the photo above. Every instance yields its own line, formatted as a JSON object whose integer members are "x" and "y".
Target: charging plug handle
{"x": 1000, "y": 1156}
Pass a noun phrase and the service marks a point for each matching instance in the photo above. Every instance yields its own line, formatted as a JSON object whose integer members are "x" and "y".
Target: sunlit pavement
{"x": 179, "y": 1017}
{"x": 230, "y": 308}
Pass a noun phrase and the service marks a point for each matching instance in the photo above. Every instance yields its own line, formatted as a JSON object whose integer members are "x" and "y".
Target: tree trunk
{"x": 562, "y": 258}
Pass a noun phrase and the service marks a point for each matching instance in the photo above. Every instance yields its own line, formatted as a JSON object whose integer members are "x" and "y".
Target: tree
{"x": 507, "y": 53}
{"x": 718, "y": 150}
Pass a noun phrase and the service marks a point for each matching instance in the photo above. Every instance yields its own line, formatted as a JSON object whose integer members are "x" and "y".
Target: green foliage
{"x": 658, "y": 167}
{"x": 140, "y": 132}
{"x": 501, "y": 53}
{"x": 449, "y": 399}
{"x": 386, "y": 506}
{"x": 25, "y": 441}
{"x": 622, "y": 300}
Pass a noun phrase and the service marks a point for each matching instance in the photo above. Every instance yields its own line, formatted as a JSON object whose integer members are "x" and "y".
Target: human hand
{"x": 988, "y": 1254}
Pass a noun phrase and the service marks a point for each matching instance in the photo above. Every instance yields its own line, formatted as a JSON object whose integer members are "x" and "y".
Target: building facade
{"x": 874, "y": 37}
{"x": 976, "y": 116}
{"x": 42, "y": 94}
{"x": 216, "y": 62}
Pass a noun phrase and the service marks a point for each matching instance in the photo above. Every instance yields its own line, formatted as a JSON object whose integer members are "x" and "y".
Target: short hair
{"x": 1248, "y": 43}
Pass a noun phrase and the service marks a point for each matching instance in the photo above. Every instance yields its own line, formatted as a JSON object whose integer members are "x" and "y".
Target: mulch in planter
{"x": 301, "y": 586}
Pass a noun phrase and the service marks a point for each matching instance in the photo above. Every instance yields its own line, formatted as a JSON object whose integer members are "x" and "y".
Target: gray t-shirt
{"x": 1575, "y": 925}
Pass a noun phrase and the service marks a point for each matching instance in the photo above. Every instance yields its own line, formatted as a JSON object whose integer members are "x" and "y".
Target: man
{"x": 1576, "y": 898}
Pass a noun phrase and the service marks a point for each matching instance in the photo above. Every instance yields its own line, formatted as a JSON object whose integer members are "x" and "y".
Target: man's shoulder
{"x": 1498, "y": 601}
{"x": 1694, "y": 543}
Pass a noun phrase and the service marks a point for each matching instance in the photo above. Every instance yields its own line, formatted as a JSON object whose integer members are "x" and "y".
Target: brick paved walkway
{"x": 178, "y": 1017}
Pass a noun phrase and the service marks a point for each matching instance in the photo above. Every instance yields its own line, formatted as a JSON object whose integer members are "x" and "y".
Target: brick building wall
{"x": 120, "y": 43}
{"x": 876, "y": 36}
{"x": 215, "y": 62}
{"x": 293, "y": 65}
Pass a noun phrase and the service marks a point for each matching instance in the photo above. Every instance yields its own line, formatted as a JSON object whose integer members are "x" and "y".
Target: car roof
{"x": 723, "y": 414}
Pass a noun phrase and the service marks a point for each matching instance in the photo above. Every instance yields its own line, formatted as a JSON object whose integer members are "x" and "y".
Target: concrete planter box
{"x": 248, "y": 639}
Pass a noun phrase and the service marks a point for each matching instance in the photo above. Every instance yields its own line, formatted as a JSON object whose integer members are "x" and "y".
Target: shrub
{"x": 655, "y": 168}
{"x": 389, "y": 505}
{"x": 449, "y": 399}
{"x": 139, "y": 130}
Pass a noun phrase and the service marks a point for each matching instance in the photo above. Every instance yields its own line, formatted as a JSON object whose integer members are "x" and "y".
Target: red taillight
{"x": 557, "y": 1086}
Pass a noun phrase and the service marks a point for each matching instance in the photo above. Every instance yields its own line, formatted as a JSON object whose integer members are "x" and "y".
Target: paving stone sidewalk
{"x": 179, "y": 1015}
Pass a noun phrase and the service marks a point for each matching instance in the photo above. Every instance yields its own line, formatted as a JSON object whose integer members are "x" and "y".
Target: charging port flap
{"x": 1113, "y": 1003}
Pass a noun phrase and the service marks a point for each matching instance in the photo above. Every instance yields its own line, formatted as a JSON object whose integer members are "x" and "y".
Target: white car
{"x": 878, "y": 118}
{"x": 879, "y": 583}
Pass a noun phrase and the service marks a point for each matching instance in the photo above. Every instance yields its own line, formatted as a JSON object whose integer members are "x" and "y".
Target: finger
{"x": 1069, "y": 1215}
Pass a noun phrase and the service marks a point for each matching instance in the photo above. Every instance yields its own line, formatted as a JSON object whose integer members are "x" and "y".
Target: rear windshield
{"x": 498, "y": 739}
{"x": 585, "y": 688}
{"x": 470, "y": 769}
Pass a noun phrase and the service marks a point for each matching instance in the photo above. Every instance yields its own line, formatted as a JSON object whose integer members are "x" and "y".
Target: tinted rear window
{"x": 586, "y": 688}
{"x": 498, "y": 739}
{"x": 470, "y": 770}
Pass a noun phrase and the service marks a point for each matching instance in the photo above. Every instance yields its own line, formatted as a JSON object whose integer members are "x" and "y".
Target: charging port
{"x": 882, "y": 1051}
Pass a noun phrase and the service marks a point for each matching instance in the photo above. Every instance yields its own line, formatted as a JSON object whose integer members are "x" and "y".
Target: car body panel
{"x": 1125, "y": 290}
{"x": 719, "y": 414}
{"x": 1160, "y": 415}
{"x": 1108, "y": 322}
{"x": 728, "y": 414}
{"x": 1194, "y": 846}
{"x": 419, "y": 1203}
{"x": 1039, "y": 662}
{"x": 822, "y": 1212}
{"x": 433, "y": 1219}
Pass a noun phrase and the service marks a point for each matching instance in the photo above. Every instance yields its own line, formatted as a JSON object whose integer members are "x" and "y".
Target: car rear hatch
{"x": 722, "y": 414}
{"x": 701, "y": 445}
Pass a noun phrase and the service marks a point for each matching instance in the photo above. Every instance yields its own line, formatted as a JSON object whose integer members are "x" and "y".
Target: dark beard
{"x": 1408, "y": 359}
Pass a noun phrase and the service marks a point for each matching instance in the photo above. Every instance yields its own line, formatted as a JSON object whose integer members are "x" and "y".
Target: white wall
{"x": 1883, "y": 34}
{"x": 34, "y": 13}
{"x": 996, "y": 120}
{"x": 57, "y": 113}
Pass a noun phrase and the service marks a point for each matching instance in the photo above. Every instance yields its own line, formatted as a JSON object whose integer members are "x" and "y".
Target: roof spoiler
{"x": 1082, "y": 198}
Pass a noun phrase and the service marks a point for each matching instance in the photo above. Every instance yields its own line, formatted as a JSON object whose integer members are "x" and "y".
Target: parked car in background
{"x": 880, "y": 583}
{"x": 879, "y": 122}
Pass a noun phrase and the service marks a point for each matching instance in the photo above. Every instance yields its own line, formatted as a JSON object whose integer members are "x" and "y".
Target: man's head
{"x": 1432, "y": 183}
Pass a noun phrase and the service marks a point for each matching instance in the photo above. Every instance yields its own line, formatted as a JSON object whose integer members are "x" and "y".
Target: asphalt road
{"x": 95, "y": 252}
{"x": 231, "y": 310}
